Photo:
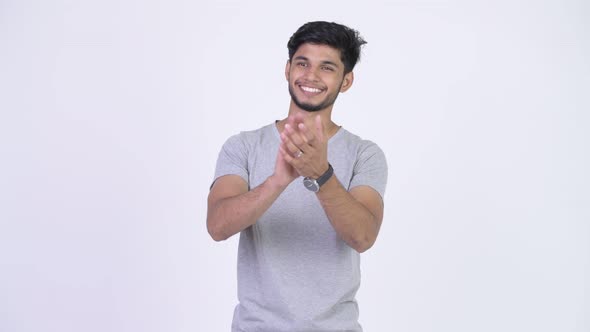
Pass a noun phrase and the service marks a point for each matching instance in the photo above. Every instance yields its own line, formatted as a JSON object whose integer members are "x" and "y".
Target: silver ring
{"x": 298, "y": 154}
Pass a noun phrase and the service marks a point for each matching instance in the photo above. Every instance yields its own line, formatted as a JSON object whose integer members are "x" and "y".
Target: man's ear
{"x": 347, "y": 82}
{"x": 287, "y": 68}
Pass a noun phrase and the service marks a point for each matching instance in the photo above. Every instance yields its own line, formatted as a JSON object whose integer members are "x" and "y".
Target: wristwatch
{"x": 315, "y": 184}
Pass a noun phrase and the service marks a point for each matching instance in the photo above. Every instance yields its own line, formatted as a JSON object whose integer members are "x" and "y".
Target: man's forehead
{"x": 319, "y": 52}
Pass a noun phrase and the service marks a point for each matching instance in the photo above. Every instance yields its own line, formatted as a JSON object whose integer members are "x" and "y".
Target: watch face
{"x": 311, "y": 184}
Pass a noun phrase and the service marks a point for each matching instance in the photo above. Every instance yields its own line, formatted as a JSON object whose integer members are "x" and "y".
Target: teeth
{"x": 308, "y": 89}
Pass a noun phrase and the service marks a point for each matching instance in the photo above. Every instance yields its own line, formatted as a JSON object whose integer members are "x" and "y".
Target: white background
{"x": 112, "y": 114}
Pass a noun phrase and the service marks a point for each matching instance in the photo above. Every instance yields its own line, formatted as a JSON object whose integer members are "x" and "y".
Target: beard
{"x": 329, "y": 101}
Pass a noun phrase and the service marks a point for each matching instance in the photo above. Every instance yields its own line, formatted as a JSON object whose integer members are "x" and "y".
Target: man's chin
{"x": 309, "y": 107}
{"x": 306, "y": 106}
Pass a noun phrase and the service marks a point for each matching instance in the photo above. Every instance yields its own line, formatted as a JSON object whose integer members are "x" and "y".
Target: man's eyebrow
{"x": 325, "y": 62}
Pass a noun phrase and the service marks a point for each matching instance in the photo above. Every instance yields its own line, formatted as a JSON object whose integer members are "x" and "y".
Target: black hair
{"x": 338, "y": 36}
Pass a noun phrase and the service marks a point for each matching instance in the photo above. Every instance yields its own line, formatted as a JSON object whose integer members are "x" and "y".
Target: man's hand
{"x": 284, "y": 172}
{"x": 304, "y": 148}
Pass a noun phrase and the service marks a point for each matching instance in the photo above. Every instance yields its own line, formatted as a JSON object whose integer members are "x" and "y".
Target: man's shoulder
{"x": 254, "y": 133}
{"x": 360, "y": 144}
{"x": 248, "y": 140}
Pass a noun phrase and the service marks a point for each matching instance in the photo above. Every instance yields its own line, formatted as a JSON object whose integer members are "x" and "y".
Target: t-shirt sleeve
{"x": 232, "y": 159}
{"x": 370, "y": 168}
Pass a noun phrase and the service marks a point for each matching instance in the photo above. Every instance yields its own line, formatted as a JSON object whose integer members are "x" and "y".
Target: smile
{"x": 310, "y": 89}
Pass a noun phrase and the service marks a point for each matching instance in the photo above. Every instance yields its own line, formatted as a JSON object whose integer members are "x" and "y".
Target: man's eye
{"x": 327, "y": 68}
{"x": 302, "y": 64}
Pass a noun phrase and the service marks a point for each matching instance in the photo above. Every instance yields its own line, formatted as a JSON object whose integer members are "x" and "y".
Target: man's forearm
{"x": 231, "y": 215}
{"x": 353, "y": 222}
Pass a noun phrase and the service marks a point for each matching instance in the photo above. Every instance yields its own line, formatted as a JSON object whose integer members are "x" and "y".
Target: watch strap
{"x": 326, "y": 176}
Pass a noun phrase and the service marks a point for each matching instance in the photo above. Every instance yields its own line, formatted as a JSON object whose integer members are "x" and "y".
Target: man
{"x": 298, "y": 258}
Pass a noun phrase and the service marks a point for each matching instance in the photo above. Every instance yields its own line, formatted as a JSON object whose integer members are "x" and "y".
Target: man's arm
{"x": 356, "y": 215}
{"x": 231, "y": 207}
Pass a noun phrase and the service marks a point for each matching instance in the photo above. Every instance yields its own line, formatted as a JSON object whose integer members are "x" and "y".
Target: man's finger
{"x": 306, "y": 134}
{"x": 289, "y": 146}
{"x": 296, "y": 137}
{"x": 319, "y": 128}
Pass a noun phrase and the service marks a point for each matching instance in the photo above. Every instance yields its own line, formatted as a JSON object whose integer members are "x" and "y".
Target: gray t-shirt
{"x": 294, "y": 272}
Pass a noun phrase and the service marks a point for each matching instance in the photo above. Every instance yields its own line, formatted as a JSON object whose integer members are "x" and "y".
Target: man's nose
{"x": 311, "y": 74}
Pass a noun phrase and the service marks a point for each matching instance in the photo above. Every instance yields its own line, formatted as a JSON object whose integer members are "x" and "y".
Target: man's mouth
{"x": 309, "y": 89}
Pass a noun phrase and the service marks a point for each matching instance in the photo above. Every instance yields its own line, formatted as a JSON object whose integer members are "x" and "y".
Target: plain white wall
{"x": 112, "y": 114}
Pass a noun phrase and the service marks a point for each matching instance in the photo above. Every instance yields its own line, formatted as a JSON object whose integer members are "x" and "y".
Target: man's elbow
{"x": 216, "y": 232}
{"x": 364, "y": 240}
{"x": 362, "y": 244}
{"x": 218, "y": 237}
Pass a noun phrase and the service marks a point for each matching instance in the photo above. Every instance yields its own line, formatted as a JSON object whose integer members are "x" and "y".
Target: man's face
{"x": 316, "y": 76}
